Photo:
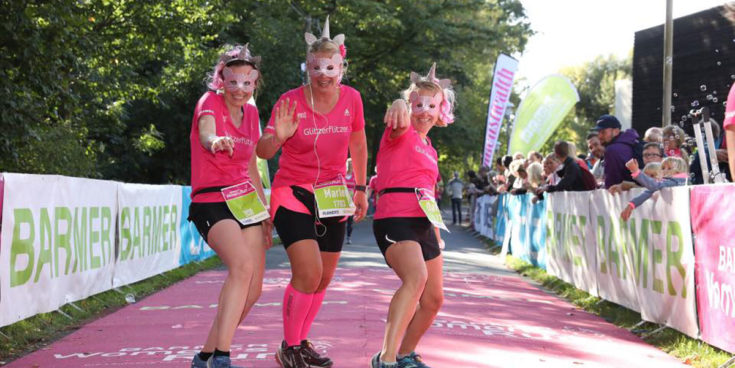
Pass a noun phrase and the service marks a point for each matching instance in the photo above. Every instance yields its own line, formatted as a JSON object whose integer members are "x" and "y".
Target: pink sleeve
{"x": 730, "y": 109}
{"x": 207, "y": 105}
{"x": 358, "y": 123}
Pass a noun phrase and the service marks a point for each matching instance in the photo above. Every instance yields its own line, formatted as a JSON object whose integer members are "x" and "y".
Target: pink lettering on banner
{"x": 498, "y": 100}
{"x": 712, "y": 216}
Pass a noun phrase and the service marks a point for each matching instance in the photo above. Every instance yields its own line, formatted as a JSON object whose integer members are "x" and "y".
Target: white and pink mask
{"x": 331, "y": 67}
{"x": 240, "y": 81}
{"x": 420, "y": 104}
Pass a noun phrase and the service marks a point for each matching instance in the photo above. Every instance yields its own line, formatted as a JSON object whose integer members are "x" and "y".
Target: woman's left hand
{"x": 361, "y": 205}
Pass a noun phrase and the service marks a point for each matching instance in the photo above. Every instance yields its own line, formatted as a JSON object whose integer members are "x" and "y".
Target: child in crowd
{"x": 674, "y": 139}
{"x": 674, "y": 171}
{"x": 653, "y": 170}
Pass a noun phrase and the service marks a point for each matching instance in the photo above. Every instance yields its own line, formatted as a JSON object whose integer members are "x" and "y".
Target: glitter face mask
{"x": 329, "y": 67}
{"x": 420, "y": 104}
{"x": 239, "y": 81}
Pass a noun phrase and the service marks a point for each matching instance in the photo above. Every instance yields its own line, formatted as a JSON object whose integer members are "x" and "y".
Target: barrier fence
{"x": 646, "y": 264}
{"x": 64, "y": 239}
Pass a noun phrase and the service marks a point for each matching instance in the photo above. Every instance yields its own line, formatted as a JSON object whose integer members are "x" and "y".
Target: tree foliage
{"x": 106, "y": 88}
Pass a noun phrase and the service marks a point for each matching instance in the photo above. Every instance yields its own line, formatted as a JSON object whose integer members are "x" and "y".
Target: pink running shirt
{"x": 299, "y": 163}
{"x": 404, "y": 162}
{"x": 211, "y": 170}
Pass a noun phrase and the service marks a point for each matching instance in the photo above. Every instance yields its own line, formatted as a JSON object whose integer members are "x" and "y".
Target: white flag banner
{"x": 58, "y": 242}
{"x": 505, "y": 70}
{"x": 647, "y": 262}
{"x": 569, "y": 239}
{"x": 148, "y": 231}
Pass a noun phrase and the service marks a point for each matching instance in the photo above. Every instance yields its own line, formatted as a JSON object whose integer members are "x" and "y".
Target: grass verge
{"x": 32, "y": 333}
{"x": 691, "y": 351}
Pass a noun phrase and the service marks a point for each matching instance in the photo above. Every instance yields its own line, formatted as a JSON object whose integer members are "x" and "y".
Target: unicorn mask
{"x": 444, "y": 104}
{"x": 330, "y": 67}
{"x": 240, "y": 81}
{"x": 420, "y": 104}
{"x": 237, "y": 53}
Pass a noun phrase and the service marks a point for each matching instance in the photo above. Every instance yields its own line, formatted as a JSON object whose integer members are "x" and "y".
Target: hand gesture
{"x": 218, "y": 143}
{"x": 632, "y": 165}
{"x": 625, "y": 215}
{"x": 614, "y": 189}
{"x": 285, "y": 121}
{"x": 397, "y": 116}
{"x": 361, "y": 205}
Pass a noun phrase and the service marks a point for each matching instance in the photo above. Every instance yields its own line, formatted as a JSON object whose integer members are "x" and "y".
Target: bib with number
{"x": 428, "y": 205}
{"x": 333, "y": 199}
{"x": 243, "y": 201}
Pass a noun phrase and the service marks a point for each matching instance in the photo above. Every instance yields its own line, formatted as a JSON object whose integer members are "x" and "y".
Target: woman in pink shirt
{"x": 315, "y": 124}
{"x": 407, "y": 164}
{"x": 224, "y": 131}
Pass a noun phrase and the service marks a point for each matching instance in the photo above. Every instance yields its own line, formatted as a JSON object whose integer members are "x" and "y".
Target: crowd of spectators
{"x": 667, "y": 157}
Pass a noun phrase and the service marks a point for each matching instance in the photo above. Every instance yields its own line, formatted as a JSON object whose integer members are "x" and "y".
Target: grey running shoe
{"x": 197, "y": 362}
{"x": 290, "y": 356}
{"x": 376, "y": 363}
{"x": 312, "y": 358}
{"x": 412, "y": 360}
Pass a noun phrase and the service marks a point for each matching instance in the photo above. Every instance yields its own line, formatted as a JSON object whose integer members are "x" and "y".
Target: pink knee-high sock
{"x": 316, "y": 304}
{"x": 296, "y": 306}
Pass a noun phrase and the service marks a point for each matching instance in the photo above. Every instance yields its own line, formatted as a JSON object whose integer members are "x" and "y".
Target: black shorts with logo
{"x": 205, "y": 214}
{"x": 391, "y": 230}
{"x": 293, "y": 226}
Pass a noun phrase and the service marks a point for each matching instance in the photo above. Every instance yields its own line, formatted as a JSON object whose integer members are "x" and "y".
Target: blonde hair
{"x": 535, "y": 174}
{"x": 653, "y": 169}
{"x": 447, "y": 94}
{"x": 676, "y": 164}
{"x": 676, "y": 132}
{"x": 516, "y": 166}
{"x": 327, "y": 46}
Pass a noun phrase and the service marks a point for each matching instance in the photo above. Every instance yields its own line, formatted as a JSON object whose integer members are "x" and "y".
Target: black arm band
{"x": 360, "y": 188}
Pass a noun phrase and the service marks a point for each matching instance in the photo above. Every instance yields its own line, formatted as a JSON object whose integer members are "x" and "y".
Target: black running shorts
{"x": 391, "y": 230}
{"x": 205, "y": 214}
{"x": 293, "y": 226}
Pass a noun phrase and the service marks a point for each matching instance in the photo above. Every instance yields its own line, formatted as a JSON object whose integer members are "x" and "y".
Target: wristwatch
{"x": 361, "y": 188}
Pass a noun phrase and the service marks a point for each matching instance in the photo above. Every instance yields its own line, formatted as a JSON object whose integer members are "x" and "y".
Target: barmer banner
{"x": 58, "y": 242}
{"x": 541, "y": 112}
{"x": 148, "y": 225}
{"x": 505, "y": 70}
{"x": 714, "y": 238}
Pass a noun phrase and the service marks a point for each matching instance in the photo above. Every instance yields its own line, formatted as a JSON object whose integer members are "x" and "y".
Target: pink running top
{"x": 210, "y": 170}
{"x": 299, "y": 163}
{"x": 404, "y": 162}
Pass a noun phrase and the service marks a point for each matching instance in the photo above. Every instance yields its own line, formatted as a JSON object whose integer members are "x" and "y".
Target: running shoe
{"x": 197, "y": 362}
{"x": 312, "y": 358}
{"x": 349, "y": 241}
{"x": 290, "y": 356}
{"x": 412, "y": 360}
{"x": 376, "y": 363}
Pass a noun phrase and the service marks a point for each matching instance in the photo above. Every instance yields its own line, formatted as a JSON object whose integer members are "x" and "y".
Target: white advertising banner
{"x": 569, "y": 239}
{"x": 485, "y": 211}
{"x": 505, "y": 70}
{"x": 148, "y": 231}
{"x": 647, "y": 262}
{"x": 57, "y": 244}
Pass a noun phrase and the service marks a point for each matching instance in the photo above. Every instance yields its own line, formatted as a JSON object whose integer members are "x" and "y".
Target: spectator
{"x": 653, "y": 135}
{"x": 535, "y": 175}
{"x": 518, "y": 170}
{"x": 652, "y": 153}
{"x": 518, "y": 156}
{"x": 674, "y": 139}
{"x": 675, "y": 173}
{"x": 597, "y": 152}
{"x": 619, "y": 148}
{"x": 506, "y": 173}
{"x": 571, "y": 174}
{"x": 455, "y": 190}
{"x": 551, "y": 165}
{"x": 653, "y": 170}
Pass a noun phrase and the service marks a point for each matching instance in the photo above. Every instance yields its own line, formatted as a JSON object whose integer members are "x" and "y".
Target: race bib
{"x": 333, "y": 199}
{"x": 243, "y": 201}
{"x": 431, "y": 210}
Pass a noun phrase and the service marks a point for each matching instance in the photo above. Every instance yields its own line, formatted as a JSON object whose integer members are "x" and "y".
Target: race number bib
{"x": 428, "y": 205}
{"x": 333, "y": 199}
{"x": 243, "y": 201}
